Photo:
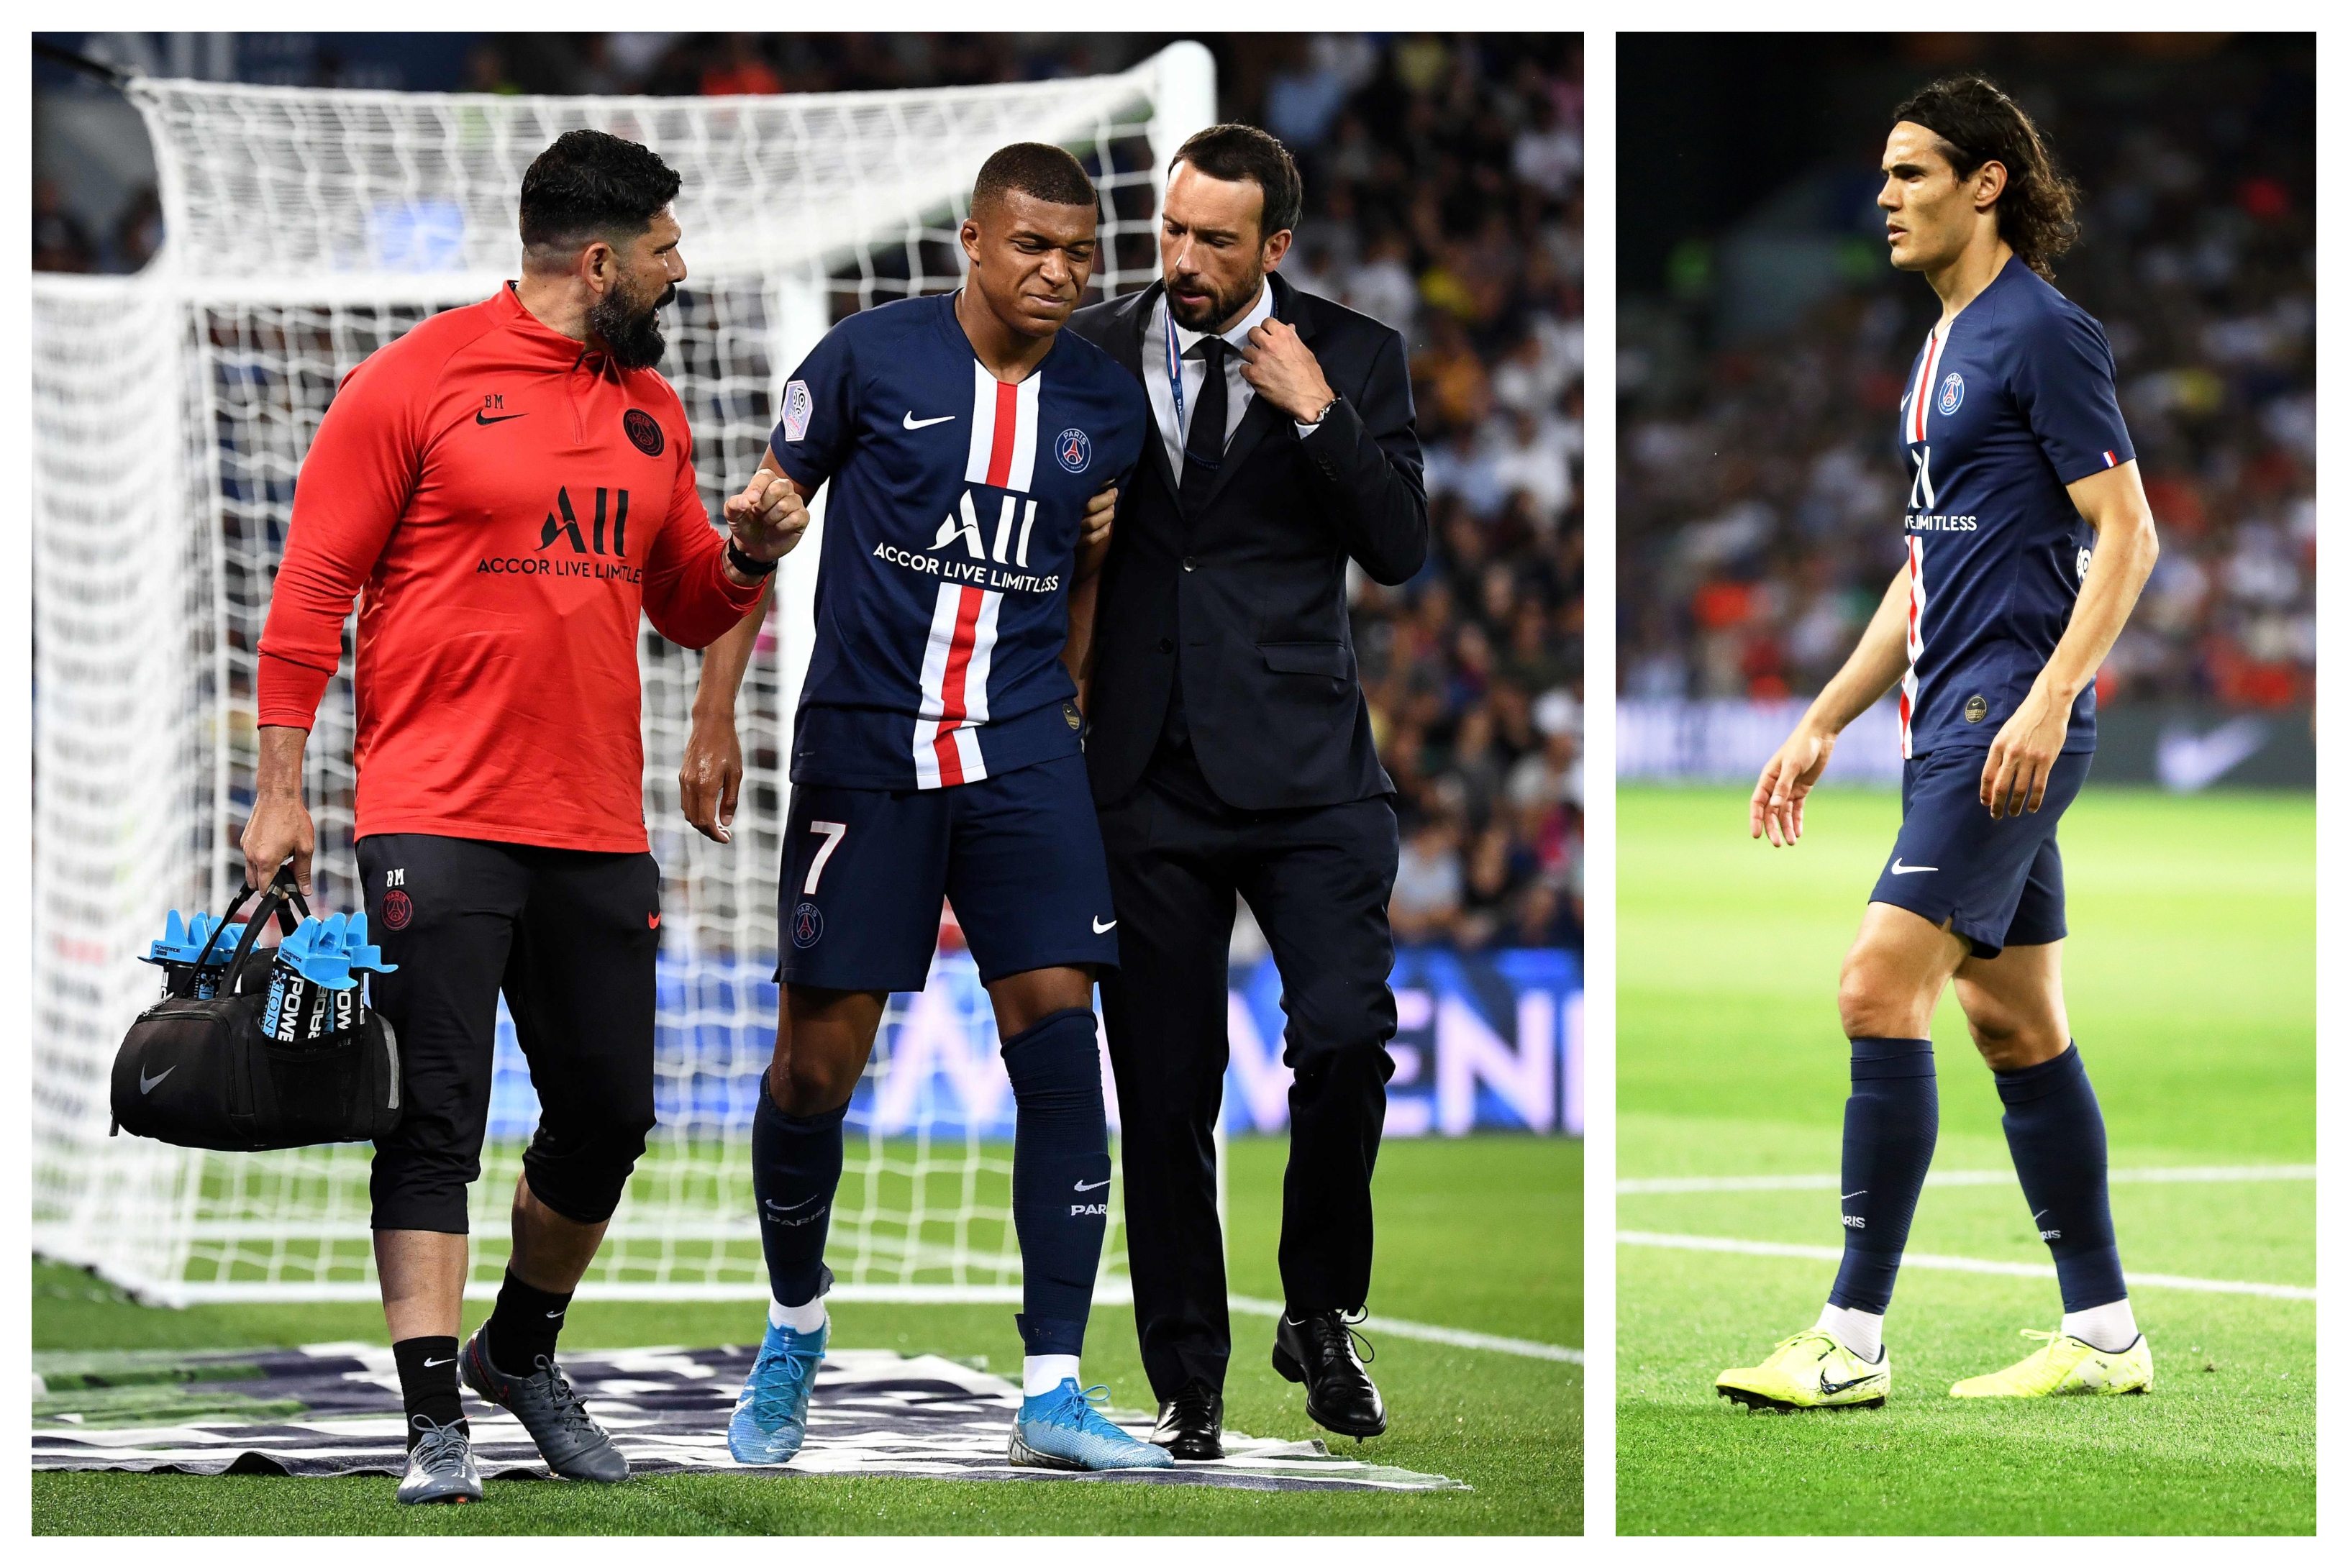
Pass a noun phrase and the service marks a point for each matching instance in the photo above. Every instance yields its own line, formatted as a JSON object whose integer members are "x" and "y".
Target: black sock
{"x": 1059, "y": 1177}
{"x": 427, "y": 1379}
{"x": 1889, "y": 1126}
{"x": 2056, "y": 1131}
{"x": 795, "y": 1170}
{"x": 523, "y": 1324}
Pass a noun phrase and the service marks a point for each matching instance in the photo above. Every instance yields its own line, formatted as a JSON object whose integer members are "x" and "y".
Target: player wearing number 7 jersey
{"x": 2028, "y": 538}
{"x": 965, "y": 442}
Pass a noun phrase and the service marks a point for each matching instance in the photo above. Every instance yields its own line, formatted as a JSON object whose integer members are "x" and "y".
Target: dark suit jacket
{"x": 1252, "y": 588}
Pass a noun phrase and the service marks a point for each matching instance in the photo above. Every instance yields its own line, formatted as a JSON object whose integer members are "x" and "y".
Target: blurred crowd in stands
{"x": 1763, "y": 488}
{"x": 1443, "y": 196}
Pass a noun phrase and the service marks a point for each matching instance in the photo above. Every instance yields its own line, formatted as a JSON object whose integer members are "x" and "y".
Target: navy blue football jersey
{"x": 949, "y": 536}
{"x": 2006, "y": 405}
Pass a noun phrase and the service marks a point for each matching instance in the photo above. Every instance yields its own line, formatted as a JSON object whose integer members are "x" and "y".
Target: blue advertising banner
{"x": 1487, "y": 1041}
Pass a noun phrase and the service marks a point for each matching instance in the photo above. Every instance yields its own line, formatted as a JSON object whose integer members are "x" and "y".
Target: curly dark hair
{"x": 1978, "y": 124}
{"x": 592, "y": 185}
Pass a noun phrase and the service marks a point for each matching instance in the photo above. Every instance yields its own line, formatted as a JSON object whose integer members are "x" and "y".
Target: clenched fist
{"x": 768, "y": 517}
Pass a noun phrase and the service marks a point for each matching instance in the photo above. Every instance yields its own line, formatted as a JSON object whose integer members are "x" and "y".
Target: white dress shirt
{"x": 1190, "y": 348}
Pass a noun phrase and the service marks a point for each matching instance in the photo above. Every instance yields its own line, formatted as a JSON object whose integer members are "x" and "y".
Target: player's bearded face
{"x": 627, "y": 319}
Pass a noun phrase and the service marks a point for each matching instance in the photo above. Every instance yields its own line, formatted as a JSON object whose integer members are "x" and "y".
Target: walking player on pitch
{"x": 972, "y": 449}
{"x": 509, "y": 488}
{"x": 2028, "y": 539}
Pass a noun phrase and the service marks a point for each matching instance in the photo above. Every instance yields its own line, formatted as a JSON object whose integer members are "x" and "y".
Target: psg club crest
{"x": 644, "y": 431}
{"x": 1074, "y": 450}
{"x": 1952, "y": 393}
{"x": 806, "y": 925}
{"x": 396, "y": 909}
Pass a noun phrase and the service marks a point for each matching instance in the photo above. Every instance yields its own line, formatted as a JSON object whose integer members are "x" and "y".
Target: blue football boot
{"x": 1061, "y": 1430}
{"x": 770, "y": 1418}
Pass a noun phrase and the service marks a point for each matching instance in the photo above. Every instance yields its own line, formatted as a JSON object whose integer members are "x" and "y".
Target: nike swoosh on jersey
{"x": 913, "y": 424}
{"x": 479, "y": 418}
{"x": 1899, "y": 870}
{"x": 1100, "y": 930}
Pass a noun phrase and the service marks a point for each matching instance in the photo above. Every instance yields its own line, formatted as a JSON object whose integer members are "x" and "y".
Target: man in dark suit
{"x": 1230, "y": 752}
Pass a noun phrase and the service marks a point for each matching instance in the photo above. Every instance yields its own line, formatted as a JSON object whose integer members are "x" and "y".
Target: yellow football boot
{"x": 1811, "y": 1371}
{"x": 2066, "y": 1366}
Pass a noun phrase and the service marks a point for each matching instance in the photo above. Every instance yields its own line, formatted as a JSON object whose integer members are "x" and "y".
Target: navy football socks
{"x": 1889, "y": 1125}
{"x": 1059, "y": 1177}
{"x": 795, "y": 1169}
{"x": 2056, "y": 1131}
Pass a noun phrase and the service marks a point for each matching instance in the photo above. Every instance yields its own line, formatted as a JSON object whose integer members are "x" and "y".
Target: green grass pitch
{"x": 2190, "y": 978}
{"x": 1481, "y": 1234}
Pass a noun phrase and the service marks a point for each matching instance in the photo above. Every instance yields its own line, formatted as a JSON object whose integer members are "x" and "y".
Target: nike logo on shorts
{"x": 913, "y": 424}
{"x": 1100, "y": 930}
{"x": 1899, "y": 870}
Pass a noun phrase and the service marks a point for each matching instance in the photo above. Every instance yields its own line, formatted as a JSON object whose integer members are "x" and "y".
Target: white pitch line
{"x": 1649, "y": 1184}
{"x": 1433, "y": 1333}
{"x": 1953, "y": 1266}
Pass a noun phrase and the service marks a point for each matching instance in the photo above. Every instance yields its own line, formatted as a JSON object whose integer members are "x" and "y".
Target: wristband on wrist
{"x": 749, "y": 566}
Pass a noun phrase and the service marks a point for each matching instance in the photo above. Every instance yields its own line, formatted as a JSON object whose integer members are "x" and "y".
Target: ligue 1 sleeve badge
{"x": 1074, "y": 450}
{"x": 1952, "y": 393}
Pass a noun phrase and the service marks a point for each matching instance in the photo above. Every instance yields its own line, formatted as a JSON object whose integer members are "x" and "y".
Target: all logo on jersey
{"x": 566, "y": 526}
{"x": 592, "y": 546}
{"x": 799, "y": 404}
{"x": 1920, "y": 494}
{"x": 1952, "y": 393}
{"x": 644, "y": 431}
{"x": 1074, "y": 450}
{"x": 806, "y": 925}
{"x": 1008, "y": 550}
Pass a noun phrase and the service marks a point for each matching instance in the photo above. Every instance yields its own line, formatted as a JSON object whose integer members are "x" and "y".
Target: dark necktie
{"x": 1202, "y": 453}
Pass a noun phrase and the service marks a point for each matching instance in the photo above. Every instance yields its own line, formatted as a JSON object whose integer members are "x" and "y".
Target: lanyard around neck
{"x": 1174, "y": 373}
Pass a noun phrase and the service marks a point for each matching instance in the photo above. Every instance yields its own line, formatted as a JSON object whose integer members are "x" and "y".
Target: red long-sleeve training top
{"x": 503, "y": 502}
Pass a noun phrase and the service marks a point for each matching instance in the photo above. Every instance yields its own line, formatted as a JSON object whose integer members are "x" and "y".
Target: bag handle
{"x": 281, "y": 893}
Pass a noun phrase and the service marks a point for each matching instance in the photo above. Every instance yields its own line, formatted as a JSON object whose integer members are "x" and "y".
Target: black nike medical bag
{"x": 198, "y": 1072}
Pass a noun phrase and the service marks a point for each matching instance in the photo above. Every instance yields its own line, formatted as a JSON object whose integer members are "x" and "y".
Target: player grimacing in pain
{"x": 971, "y": 450}
{"x": 2028, "y": 538}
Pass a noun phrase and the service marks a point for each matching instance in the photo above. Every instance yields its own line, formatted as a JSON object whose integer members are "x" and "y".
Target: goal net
{"x": 171, "y": 412}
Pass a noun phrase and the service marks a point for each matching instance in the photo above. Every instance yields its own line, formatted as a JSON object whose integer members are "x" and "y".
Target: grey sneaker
{"x": 441, "y": 1466}
{"x": 573, "y": 1445}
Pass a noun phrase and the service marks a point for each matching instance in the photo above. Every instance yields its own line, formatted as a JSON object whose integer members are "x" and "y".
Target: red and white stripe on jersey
{"x": 1003, "y": 430}
{"x": 1919, "y": 400}
{"x": 954, "y": 667}
{"x": 1915, "y": 643}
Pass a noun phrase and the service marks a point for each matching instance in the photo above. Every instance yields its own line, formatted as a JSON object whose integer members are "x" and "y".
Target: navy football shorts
{"x": 1998, "y": 882}
{"x": 1019, "y": 854}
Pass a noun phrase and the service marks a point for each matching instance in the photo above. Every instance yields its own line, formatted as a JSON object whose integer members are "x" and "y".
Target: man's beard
{"x": 1219, "y": 308}
{"x": 631, "y": 336}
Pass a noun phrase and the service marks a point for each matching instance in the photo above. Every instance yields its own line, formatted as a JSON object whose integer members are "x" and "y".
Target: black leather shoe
{"x": 1318, "y": 1352}
{"x": 1191, "y": 1424}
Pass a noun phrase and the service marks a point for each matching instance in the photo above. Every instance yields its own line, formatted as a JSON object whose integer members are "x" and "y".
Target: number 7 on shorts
{"x": 833, "y": 833}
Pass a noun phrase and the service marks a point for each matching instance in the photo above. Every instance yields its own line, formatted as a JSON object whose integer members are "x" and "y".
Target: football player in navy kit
{"x": 2028, "y": 538}
{"x": 965, "y": 442}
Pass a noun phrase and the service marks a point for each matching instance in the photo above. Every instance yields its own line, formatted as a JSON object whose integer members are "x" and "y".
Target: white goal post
{"x": 305, "y": 229}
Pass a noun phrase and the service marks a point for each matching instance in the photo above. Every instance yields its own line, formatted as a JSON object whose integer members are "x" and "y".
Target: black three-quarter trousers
{"x": 570, "y": 937}
{"x": 1318, "y": 879}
